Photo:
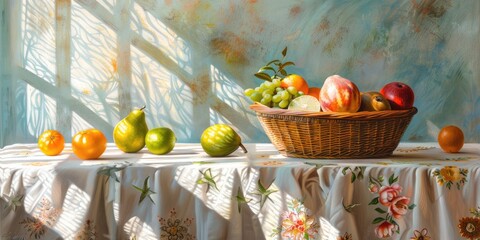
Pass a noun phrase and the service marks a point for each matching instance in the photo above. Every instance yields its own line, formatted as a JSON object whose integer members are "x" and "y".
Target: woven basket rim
{"x": 262, "y": 109}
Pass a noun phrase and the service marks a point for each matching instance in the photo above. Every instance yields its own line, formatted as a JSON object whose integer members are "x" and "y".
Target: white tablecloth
{"x": 419, "y": 191}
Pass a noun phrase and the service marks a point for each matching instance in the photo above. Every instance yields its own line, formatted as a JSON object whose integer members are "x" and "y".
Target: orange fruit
{"x": 89, "y": 144}
{"x": 296, "y": 81}
{"x": 451, "y": 139}
{"x": 315, "y": 92}
{"x": 51, "y": 142}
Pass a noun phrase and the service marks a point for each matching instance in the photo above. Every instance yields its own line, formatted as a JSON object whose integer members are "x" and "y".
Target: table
{"x": 417, "y": 192}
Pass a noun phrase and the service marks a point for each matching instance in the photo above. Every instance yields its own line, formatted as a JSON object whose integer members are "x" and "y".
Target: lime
{"x": 160, "y": 140}
{"x": 305, "y": 103}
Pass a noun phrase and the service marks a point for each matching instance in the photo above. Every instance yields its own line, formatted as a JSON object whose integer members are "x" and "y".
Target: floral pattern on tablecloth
{"x": 356, "y": 172}
{"x": 469, "y": 227}
{"x": 13, "y": 201}
{"x": 264, "y": 192}
{"x": 323, "y": 186}
{"x": 421, "y": 235}
{"x": 175, "y": 228}
{"x": 413, "y": 149}
{"x": 297, "y": 223}
{"x": 272, "y": 163}
{"x": 450, "y": 175}
{"x": 345, "y": 236}
{"x": 45, "y": 216}
{"x": 88, "y": 231}
{"x": 207, "y": 179}
{"x": 389, "y": 197}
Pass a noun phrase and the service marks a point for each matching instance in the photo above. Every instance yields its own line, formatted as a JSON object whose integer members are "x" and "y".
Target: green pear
{"x": 220, "y": 140}
{"x": 129, "y": 134}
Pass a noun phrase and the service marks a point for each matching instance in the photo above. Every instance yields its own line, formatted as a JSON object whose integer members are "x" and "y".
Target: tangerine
{"x": 296, "y": 81}
{"x": 51, "y": 142}
{"x": 451, "y": 139}
{"x": 315, "y": 92}
{"x": 89, "y": 144}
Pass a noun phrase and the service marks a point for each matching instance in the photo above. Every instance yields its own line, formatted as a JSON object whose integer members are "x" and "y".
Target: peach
{"x": 339, "y": 94}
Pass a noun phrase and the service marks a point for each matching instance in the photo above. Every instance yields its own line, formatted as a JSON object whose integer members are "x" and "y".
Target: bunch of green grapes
{"x": 272, "y": 95}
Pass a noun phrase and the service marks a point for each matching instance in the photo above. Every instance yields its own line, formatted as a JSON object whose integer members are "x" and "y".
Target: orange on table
{"x": 89, "y": 144}
{"x": 296, "y": 81}
{"x": 315, "y": 92}
{"x": 451, "y": 139}
{"x": 51, "y": 142}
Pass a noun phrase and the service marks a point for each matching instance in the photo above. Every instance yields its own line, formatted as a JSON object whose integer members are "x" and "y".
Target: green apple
{"x": 160, "y": 140}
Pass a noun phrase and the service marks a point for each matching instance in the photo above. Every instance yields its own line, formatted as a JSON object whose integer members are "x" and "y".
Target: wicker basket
{"x": 334, "y": 135}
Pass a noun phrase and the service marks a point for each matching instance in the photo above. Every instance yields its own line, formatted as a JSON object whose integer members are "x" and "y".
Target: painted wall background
{"x": 75, "y": 64}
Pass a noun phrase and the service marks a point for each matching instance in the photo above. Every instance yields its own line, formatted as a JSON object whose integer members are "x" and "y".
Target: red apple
{"x": 339, "y": 94}
{"x": 399, "y": 94}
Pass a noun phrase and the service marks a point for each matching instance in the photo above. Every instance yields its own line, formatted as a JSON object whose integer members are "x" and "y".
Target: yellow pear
{"x": 373, "y": 101}
{"x": 129, "y": 134}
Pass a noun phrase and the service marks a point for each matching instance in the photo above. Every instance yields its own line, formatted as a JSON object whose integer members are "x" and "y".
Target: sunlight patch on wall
{"x": 109, "y": 5}
{"x": 78, "y": 124}
{"x": 226, "y": 89}
{"x": 157, "y": 33}
{"x": 94, "y": 67}
{"x": 38, "y": 50}
{"x": 38, "y": 35}
{"x": 168, "y": 100}
{"x": 40, "y": 111}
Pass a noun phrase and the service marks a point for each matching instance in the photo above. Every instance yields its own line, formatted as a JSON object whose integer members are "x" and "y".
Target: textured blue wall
{"x": 189, "y": 61}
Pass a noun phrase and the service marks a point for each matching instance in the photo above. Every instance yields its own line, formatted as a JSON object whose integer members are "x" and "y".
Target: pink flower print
{"x": 297, "y": 225}
{"x": 373, "y": 188}
{"x": 399, "y": 206}
{"x": 388, "y": 193}
{"x": 385, "y": 230}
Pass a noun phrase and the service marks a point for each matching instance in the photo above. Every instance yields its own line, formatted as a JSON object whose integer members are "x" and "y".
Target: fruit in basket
{"x": 129, "y": 133}
{"x": 279, "y": 87}
{"x": 160, "y": 140}
{"x": 305, "y": 103}
{"x": 339, "y": 94}
{"x": 400, "y": 95}
{"x": 89, "y": 144}
{"x": 451, "y": 139}
{"x": 220, "y": 140}
{"x": 51, "y": 142}
{"x": 315, "y": 92}
{"x": 296, "y": 81}
{"x": 373, "y": 101}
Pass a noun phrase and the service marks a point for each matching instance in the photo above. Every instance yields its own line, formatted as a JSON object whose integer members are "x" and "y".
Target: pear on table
{"x": 129, "y": 134}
